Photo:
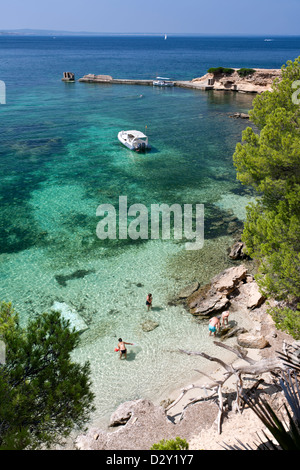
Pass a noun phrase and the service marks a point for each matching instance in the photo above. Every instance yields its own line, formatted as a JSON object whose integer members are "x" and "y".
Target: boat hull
{"x": 137, "y": 147}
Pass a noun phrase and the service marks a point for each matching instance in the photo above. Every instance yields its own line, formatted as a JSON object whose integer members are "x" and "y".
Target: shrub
{"x": 245, "y": 72}
{"x": 172, "y": 444}
{"x": 219, "y": 70}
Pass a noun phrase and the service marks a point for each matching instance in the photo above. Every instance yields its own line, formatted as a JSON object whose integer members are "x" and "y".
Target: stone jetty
{"x": 258, "y": 81}
{"x": 92, "y": 78}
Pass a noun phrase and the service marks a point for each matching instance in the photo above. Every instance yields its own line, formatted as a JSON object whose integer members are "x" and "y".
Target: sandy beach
{"x": 137, "y": 425}
{"x": 235, "y": 426}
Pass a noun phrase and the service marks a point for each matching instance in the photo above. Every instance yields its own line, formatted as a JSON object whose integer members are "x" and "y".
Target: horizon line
{"x": 34, "y": 31}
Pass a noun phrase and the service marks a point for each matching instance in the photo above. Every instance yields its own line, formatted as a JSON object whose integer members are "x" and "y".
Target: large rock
{"x": 213, "y": 299}
{"x": 248, "y": 340}
{"x": 124, "y": 412}
{"x": 189, "y": 290}
{"x": 232, "y": 286}
{"x": 228, "y": 280}
{"x": 149, "y": 325}
{"x": 229, "y": 332}
{"x": 240, "y": 115}
{"x": 210, "y": 304}
{"x": 236, "y": 251}
{"x": 250, "y": 291}
{"x": 71, "y": 315}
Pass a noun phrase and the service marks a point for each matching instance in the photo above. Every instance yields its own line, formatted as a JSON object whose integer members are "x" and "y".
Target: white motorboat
{"x": 162, "y": 81}
{"x": 134, "y": 140}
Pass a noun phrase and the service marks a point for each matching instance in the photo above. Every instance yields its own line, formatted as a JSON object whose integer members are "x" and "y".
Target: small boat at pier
{"x": 134, "y": 140}
{"x": 162, "y": 81}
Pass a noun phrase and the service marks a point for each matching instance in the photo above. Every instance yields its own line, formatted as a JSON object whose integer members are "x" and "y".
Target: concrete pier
{"x": 104, "y": 79}
{"x": 258, "y": 81}
{"x": 107, "y": 79}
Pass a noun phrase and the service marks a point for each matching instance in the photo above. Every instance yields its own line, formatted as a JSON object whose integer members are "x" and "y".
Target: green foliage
{"x": 219, "y": 70}
{"x": 172, "y": 444}
{"x": 8, "y": 318}
{"x": 43, "y": 394}
{"x": 287, "y": 319}
{"x": 270, "y": 162}
{"x": 245, "y": 72}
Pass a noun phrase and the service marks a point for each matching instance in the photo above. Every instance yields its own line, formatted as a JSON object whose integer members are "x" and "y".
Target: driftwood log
{"x": 275, "y": 364}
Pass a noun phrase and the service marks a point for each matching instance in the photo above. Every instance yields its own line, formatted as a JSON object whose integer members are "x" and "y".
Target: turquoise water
{"x": 60, "y": 159}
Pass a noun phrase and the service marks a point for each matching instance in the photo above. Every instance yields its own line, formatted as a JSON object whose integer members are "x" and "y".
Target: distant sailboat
{"x": 166, "y": 36}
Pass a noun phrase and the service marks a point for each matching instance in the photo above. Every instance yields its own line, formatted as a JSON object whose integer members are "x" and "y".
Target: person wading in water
{"x": 149, "y": 302}
{"x": 122, "y": 348}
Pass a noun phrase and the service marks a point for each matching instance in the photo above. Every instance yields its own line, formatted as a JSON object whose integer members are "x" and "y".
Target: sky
{"x": 255, "y": 17}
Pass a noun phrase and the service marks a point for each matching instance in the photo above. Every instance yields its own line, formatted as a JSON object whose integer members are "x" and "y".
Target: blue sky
{"x": 258, "y": 17}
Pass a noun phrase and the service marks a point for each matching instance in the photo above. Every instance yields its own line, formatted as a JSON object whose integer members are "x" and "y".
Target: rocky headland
{"x": 257, "y": 82}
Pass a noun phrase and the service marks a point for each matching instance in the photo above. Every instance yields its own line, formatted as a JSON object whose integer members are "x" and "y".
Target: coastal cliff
{"x": 257, "y": 82}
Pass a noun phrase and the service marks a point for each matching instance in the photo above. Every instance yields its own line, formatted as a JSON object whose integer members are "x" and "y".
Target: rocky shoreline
{"x": 258, "y": 82}
{"x": 138, "y": 424}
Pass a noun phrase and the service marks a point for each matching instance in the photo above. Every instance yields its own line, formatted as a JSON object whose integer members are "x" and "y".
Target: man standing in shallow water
{"x": 213, "y": 325}
{"x": 122, "y": 348}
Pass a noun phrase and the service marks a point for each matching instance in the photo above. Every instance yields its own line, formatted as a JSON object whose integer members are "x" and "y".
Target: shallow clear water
{"x": 60, "y": 158}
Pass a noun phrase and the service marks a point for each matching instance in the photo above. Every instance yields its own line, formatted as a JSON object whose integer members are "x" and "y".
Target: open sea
{"x": 60, "y": 159}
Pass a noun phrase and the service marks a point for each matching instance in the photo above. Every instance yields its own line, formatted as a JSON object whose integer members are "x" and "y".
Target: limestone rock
{"x": 149, "y": 325}
{"x": 209, "y": 305}
{"x": 240, "y": 115}
{"x": 76, "y": 321}
{"x": 249, "y": 340}
{"x": 254, "y": 297}
{"x": 236, "y": 251}
{"x": 231, "y": 331}
{"x": 88, "y": 441}
{"x": 258, "y": 82}
{"x": 123, "y": 413}
{"x": 228, "y": 280}
{"x": 189, "y": 290}
{"x": 215, "y": 299}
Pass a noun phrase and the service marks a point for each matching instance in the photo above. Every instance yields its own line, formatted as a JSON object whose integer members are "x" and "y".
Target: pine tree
{"x": 269, "y": 160}
{"x": 44, "y": 395}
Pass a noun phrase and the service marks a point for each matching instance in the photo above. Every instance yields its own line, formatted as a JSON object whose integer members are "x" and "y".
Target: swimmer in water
{"x": 122, "y": 348}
